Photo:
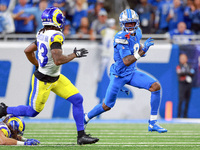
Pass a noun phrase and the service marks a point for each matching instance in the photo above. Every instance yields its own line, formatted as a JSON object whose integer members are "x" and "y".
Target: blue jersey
{"x": 176, "y": 32}
{"x": 162, "y": 12}
{"x": 195, "y": 16}
{"x": 19, "y": 24}
{"x": 178, "y": 17}
{"x": 37, "y": 13}
{"x": 187, "y": 19}
{"x": 124, "y": 46}
{"x": 181, "y": 39}
{"x": 78, "y": 15}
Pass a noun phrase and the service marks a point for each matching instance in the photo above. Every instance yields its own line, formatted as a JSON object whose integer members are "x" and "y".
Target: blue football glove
{"x": 147, "y": 44}
{"x": 31, "y": 142}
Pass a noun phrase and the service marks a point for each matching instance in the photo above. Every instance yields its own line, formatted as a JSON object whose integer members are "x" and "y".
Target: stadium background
{"x": 160, "y": 62}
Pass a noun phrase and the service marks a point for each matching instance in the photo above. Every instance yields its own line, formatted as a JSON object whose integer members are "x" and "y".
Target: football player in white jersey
{"x": 11, "y": 132}
{"x": 48, "y": 77}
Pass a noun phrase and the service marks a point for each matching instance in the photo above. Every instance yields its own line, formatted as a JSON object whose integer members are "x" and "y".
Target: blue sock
{"x": 22, "y": 110}
{"x": 155, "y": 102}
{"x": 77, "y": 108}
{"x": 97, "y": 110}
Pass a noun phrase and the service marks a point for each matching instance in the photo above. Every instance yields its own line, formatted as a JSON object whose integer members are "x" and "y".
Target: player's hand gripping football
{"x": 80, "y": 52}
{"x": 147, "y": 44}
{"x": 31, "y": 142}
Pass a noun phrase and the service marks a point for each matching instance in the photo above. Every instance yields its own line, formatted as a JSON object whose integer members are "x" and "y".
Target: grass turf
{"x": 62, "y": 136}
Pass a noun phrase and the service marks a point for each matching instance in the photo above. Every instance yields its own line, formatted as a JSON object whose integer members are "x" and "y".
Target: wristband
{"x": 23, "y": 139}
{"x": 20, "y": 143}
{"x": 136, "y": 55}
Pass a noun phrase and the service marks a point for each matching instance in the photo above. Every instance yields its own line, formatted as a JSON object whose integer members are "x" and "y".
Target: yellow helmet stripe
{"x": 19, "y": 121}
{"x": 56, "y": 12}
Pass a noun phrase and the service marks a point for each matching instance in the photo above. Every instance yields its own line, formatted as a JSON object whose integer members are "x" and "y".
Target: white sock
{"x": 86, "y": 118}
{"x": 153, "y": 117}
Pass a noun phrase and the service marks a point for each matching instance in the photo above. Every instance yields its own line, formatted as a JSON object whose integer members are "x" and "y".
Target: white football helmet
{"x": 127, "y": 16}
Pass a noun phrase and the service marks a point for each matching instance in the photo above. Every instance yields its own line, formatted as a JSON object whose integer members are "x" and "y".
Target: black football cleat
{"x": 86, "y": 139}
{"x": 3, "y": 110}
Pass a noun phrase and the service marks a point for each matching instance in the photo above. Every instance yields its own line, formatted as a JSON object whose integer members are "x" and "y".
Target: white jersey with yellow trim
{"x": 44, "y": 41}
{"x": 4, "y": 128}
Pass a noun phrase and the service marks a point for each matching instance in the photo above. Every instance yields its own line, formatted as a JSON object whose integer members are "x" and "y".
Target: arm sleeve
{"x": 56, "y": 45}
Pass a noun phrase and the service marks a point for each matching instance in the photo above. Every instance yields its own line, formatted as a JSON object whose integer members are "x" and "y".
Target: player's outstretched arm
{"x": 60, "y": 59}
{"x": 6, "y": 141}
{"x": 29, "y": 51}
{"x": 10, "y": 141}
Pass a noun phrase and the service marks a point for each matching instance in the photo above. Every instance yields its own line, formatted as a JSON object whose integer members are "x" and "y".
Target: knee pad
{"x": 76, "y": 99}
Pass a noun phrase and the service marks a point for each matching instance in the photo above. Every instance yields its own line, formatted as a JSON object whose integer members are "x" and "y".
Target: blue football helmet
{"x": 128, "y": 16}
{"x": 53, "y": 16}
{"x": 16, "y": 123}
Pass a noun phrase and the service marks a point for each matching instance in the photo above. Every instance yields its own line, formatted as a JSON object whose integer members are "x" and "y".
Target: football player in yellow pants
{"x": 48, "y": 77}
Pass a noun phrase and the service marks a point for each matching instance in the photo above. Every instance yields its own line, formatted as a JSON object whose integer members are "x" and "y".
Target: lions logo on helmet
{"x": 128, "y": 16}
{"x": 53, "y": 16}
{"x": 16, "y": 123}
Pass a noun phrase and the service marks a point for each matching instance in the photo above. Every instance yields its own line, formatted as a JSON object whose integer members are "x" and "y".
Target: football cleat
{"x": 86, "y": 139}
{"x": 153, "y": 126}
{"x": 3, "y": 110}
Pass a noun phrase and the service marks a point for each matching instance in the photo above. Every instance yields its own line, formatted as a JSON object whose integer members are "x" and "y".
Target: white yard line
{"x": 180, "y": 136}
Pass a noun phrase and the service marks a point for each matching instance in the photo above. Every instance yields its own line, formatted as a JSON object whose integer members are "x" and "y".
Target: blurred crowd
{"x": 90, "y": 17}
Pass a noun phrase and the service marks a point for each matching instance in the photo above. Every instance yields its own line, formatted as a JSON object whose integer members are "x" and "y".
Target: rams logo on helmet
{"x": 16, "y": 123}
{"x": 53, "y": 16}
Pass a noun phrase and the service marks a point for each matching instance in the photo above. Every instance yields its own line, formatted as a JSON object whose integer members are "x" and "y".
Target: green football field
{"x": 61, "y": 136}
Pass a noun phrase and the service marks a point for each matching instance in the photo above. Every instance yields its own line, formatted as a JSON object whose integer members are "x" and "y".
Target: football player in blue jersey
{"x": 12, "y": 130}
{"x": 47, "y": 77}
{"x": 127, "y": 50}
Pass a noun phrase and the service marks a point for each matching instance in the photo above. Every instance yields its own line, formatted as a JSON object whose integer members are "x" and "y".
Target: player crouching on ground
{"x": 11, "y": 132}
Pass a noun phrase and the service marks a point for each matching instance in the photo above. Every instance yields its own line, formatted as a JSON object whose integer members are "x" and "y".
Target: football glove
{"x": 147, "y": 44}
{"x": 80, "y": 52}
{"x": 31, "y": 142}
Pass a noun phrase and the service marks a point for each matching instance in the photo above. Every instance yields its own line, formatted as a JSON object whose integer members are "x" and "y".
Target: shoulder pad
{"x": 139, "y": 33}
{"x": 121, "y": 35}
{"x": 121, "y": 41}
{"x": 57, "y": 37}
{"x": 4, "y": 128}
{"x": 120, "y": 38}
